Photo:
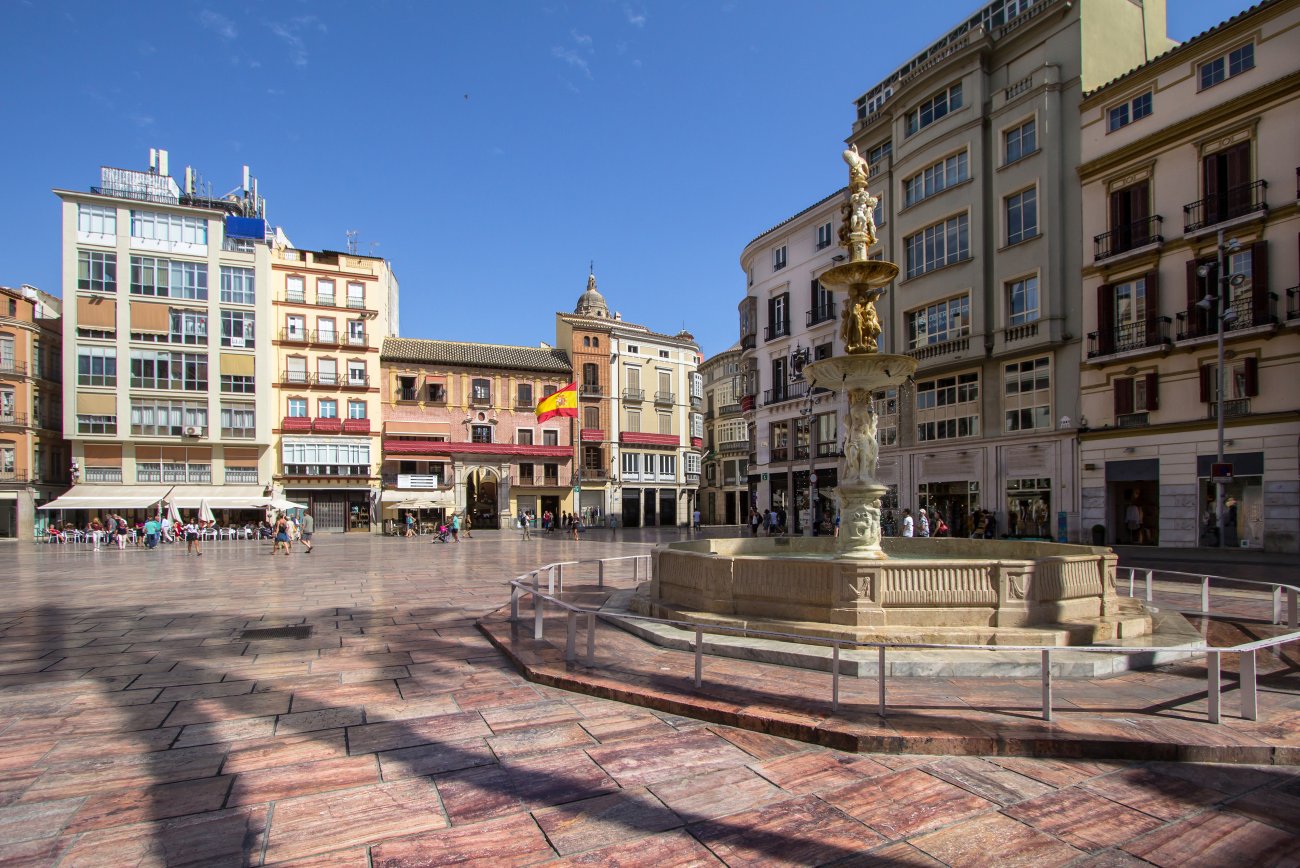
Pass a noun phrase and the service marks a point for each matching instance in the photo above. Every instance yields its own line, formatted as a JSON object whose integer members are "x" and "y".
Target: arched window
{"x": 586, "y": 342}
{"x": 595, "y": 342}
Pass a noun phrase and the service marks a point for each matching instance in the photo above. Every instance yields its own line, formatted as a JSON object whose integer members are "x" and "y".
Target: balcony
{"x": 785, "y": 393}
{"x": 1293, "y": 303}
{"x": 692, "y": 479}
{"x": 295, "y": 378}
{"x": 1122, "y": 239}
{"x": 594, "y": 474}
{"x": 16, "y": 476}
{"x": 357, "y": 340}
{"x": 406, "y": 393}
{"x": 634, "y": 394}
{"x": 1196, "y": 323}
{"x": 18, "y": 420}
{"x": 356, "y": 381}
{"x": 103, "y": 474}
{"x": 325, "y": 338}
{"x": 1233, "y": 407}
{"x": 779, "y": 453}
{"x": 1133, "y": 420}
{"x": 356, "y": 426}
{"x": 523, "y": 405}
{"x": 731, "y": 446}
{"x": 294, "y": 336}
{"x": 943, "y": 348}
{"x": 748, "y": 342}
{"x": 1237, "y": 202}
{"x": 480, "y": 400}
{"x": 327, "y": 425}
{"x": 241, "y": 476}
{"x": 9, "y": 366}
{"x": 329, "y": 379}
{"x": 591, "y": 435}
{"x": 746, "y": 403}
{"x": 295, "y": 297}
{"x": 591, "y": 390}
{"x": 1129, "y": 338}
{"x": 779, "y": 330}
{"x": 1021, "y": 332}
{"x": 729, "y": 410}
{"x": 296, "y": 423}
{"x": 551, "y": 481}
{"x": 824, "y": 313}
{"x": 665, "y": 397}
{"x": 356, "y": 303}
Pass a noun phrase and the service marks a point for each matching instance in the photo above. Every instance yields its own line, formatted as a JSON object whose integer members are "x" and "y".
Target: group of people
{"x": 771, "y": 521}
{"x": 982, "y": 523}
{"x": 444, "y": 529}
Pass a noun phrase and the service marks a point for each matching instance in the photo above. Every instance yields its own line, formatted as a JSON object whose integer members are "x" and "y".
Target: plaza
{"x": 145, "y": 722}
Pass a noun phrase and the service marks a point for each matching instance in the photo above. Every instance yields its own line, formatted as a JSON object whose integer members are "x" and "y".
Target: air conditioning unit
{"x": 193, "y": 432}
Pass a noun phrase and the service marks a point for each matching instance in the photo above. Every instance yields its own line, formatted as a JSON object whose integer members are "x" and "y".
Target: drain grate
{"x": 299, "y": 632}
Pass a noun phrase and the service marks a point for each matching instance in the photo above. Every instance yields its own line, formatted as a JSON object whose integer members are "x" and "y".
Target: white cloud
{"x": 291, "y": 32}
{"x": 572, "y": 58}
{"x": 635, "y": 18}
{"x": 580, "y": 38}
{"x": 218, "y": 24}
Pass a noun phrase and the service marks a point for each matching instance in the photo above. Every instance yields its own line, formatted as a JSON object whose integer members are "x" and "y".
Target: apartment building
{"x": 332, "y": 312}
{"x": 168, "y": 325}
{"x": 788, "y": 319}
{"x": 724, "y": 492}
{"x": 974, "y": 147}
{"x": 33, "y": 456}
{"x": 1190, "y": 182}
{"x": 461, "y": 435}
{"x": 641, "y": 421}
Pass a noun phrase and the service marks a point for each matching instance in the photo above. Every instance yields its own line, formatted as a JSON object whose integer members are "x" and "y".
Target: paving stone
{"x": 1083, "y": 819}
{"x": 643, "y": 761}
{"x": 604, "y": 820}
{"x": 799, "y": 831}
{"x": 901, "y": 804}
{"x": 1217, "y": 839}
{"x": 513, "y": 841}
{"x": 717, "y": 794}
{"x": 994, "y": 839}
{"x": 817, "y": 771}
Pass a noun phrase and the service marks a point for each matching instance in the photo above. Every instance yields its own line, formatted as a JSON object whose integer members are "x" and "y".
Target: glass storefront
{"x": 1028, "y": 508}
{"x": 954, "y": 501}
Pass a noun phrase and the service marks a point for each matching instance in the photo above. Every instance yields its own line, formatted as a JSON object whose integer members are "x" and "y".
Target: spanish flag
{"x": 561, "y": 403}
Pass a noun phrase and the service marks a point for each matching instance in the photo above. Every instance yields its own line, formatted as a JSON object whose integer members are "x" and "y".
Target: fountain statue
{"x": 863, "y": 369}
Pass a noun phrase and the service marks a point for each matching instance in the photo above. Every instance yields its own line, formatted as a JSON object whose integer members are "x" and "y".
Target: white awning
{"x": 108, "y": 497}
{"x": 395, "y": 497}
{"x": 219, "y": 496}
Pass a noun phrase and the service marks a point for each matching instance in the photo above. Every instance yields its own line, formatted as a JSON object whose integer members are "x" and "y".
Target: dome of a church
{"x": 591, "y": 302}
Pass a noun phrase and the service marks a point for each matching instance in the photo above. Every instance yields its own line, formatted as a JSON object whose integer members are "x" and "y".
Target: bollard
{"x": 835, "y": 677}
{"x": 880, "y": 673}
{"x": 591, "y": 638}
{"x": 1149, "y": 598}
{"x": 1132, "y": 573}
{"x": 1205, "y": 595}
{"x": 1277, "y": 605}
{"x": 1212, "y": 694}
{"x": 1249, "y": 686}
{"x": 1047, "y": 684}
{"x": 699, "y": 656}
{"x": 636, "y": 568}
{"x": 600, "y": 573}
{"x": 571, "y": 636}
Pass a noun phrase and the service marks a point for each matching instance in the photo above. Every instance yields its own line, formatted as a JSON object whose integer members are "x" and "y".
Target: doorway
{"x": 648, "y": 518}
{"x": 632, "y": 508}
{"x": 481, "y": 498}
{"x": 1143, "y": 494}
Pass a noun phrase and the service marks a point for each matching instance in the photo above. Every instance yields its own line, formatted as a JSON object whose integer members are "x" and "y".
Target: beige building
{"x": 332, "y": 312}
{"x": 724, "y": 492}
{"x": 167, "y": 325}
{"x": 974, "y": 146}
{"x": 33, "y": 456}
{"x": 641, "y": 419}
{"x": 1197, "y": 145}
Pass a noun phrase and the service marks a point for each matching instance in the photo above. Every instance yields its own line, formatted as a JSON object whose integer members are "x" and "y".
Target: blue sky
{"x": 488, "y": 149}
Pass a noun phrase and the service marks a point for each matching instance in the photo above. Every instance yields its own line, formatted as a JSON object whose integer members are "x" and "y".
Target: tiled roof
{"x": 476, "y": 355}
{"x": 840, "y": 192}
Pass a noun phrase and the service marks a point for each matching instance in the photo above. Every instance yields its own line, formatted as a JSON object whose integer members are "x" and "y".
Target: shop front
{"x": 335, "y": 510}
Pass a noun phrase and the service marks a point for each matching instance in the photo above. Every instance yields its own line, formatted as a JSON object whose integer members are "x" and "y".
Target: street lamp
{"x": 1221, "y": 304}
{"x": 807, "y": 413}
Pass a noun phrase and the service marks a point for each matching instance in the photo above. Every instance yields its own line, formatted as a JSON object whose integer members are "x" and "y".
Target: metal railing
{"x": 18, "y": 419}
{"x": 591, "y": 390}
{"x": 1197, "y": 323}
{"x": 665, "y": 397}
{"x": 103, "y": 474}
{"x": 1216, "y": 208}
{"x": 1129, "y": 336}
{"x": 9, "y": 366}
{"x": 634, "y": 394}
{"x": 821, "y": 313}
{"x": 241, "y": 475}
{"x": 1121, "y": 239}
{"x": 1232, "y": 408}
{"x": 530, "y": 583}
{"x": 779, "y": 330}
{"x": 1293, "y": 303}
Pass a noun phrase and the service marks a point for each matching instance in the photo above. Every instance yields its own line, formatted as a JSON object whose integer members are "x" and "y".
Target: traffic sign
{"x": 814, "y": 479}
{"x": 1221, "y": 472}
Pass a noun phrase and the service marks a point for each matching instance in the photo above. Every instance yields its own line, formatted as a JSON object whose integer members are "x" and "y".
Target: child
{"x": 192, "y": 541}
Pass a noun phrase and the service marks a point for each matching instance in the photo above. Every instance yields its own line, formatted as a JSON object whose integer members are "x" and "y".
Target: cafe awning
{"x": 108, "y": 497}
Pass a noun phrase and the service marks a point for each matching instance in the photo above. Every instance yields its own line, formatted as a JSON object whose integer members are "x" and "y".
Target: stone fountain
{"x": 954, "y": 591}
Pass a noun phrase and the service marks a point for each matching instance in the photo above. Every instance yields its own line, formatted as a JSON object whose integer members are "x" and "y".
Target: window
{"x": 632, "y": 464}
{"x": 153, "y": 369}
{"x": 96, "y": 366}
{"x": 633, "y": 349}
{"x": 667, "y": 465}
{"x": 1021, "y": 141}
{"x": 827, "y": 434}
{"x": 524, "y": 395}
{"x": 170, "y": 278}
{"x": 356, "y": 409}
{"x": 237, "y": 285}
{"x": 665, "y": 423}
{"x": 153, "y": 418}
{"x": 550, "y": 437}
{"x": 934, "y": 108}
{"x": 238, "y": 420}
{"x": 295, "y": 289}
{"x": 96, "y": 271}
{"x": 356, "y": 333}
{"x": 1022, "y": 216}
{"x": 1233, "y": 63}
{"x": 524, "y": 436}
{"x": 779, "y": 441}
{"x": 878, "y": 152}
{"x": 1131, "y": 305}
{"x": 87, "y": 424}
{"x": 948, "y": 407}
{"x": 97, "y": 220}
{"x": 936, "y": 178}
{"x": 1027, "y": 395}
{"x": 938, "y": 245}
{"x": 1022, "y": 301}
{"x": 1136, "y": 395}
{"x": 295, "y": 369}
{"x": 170, "y": 228}
{"x": 481, "y": 433}
{"x": 886, "y": 402}
{"x": 437, "y": 393}
{"x": 664, "y": 354}
{"x": 1125, "y": 113}
{"x": 325, "y": 331}
{"x": 238, "y": 384}
{"x": 778, "y": 258}
{"x": 823, "y": 236}
{"x": 326, "y": 458}
{"x": 526, "y": 473}
{"x": 357, "y": 374}
{"x": 634, "y": 421}
{"x": 356, "y": 295}
{"x": 295, "y": 327}
{"x": 778, "y": 316}
{"x": 237, "y": 328}
{"x": 1130, "y": 226}
{"x": 481, "y": 391}
{"x": 325, "y": 292}
{"x": 328, "y": 407}
{"x": 327, "y": 372}
{"x": 591, "y": 418}
{"x": 187, "y": 327}
{"x": 939, "y": 322}
{"x": 297, "y": 408}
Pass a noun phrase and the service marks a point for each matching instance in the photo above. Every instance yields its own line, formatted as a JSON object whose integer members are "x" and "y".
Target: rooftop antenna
{"x": 352, "y": 241}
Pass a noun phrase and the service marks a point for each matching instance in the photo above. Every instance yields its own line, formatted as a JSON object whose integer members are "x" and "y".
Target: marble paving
{"x": 138, "y": 727}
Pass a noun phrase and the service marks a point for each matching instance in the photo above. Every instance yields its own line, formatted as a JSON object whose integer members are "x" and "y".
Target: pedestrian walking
{"x": 152, "y": 527}
{"x": 924, "y": 529}
{"x": 410, "y": 525}
{"x": 308, "y": 528}
{"x": 192, "y": 541}
{"x": 754, "y": 521}
{"x": 455, "y": 527}
{"x": 909, "y": 528}
{"x": 281, "y": 536}
{"x": 122, "y": 530}
{"x": 469, "y": 524}
{"x": 524, "y": 527}
{"x": 695, "y": 519}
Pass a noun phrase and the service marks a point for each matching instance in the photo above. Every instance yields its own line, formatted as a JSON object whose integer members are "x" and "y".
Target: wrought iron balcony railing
{"x": 1197, "y": 323}
{"x": 1219, "y": 207}
{"x": 821, "y": 314}
{"x": 1123, "y": 238}
{"x": 1130, "y": 336}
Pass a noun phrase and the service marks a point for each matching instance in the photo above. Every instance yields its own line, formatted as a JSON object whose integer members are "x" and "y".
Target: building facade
{"x": 332, "y": 312}
{"x": 974, "y": 147}
{"x": 640, "y": 416}
{"x": 168, "y": 326}
{"x": 460, "y": 433}
{"x": 724, "y": 489}
{"x": 1187, "y": 152}
{"x": 33, "y": 457}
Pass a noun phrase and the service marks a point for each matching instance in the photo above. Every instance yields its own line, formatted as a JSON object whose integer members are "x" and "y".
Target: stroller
{"x": 443, "y": 533}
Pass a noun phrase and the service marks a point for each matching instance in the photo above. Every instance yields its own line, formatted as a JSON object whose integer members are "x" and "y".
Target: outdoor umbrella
{"x": 205, "y": 511}
{"x": 173, "y": 514}
{"x": 282, "y": 504}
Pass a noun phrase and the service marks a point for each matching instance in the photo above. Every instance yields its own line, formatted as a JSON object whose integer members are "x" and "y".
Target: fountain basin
{"x": 866, "y": 272}
{"x": 871, "y": 371}
{"x": 948, "y": 591}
